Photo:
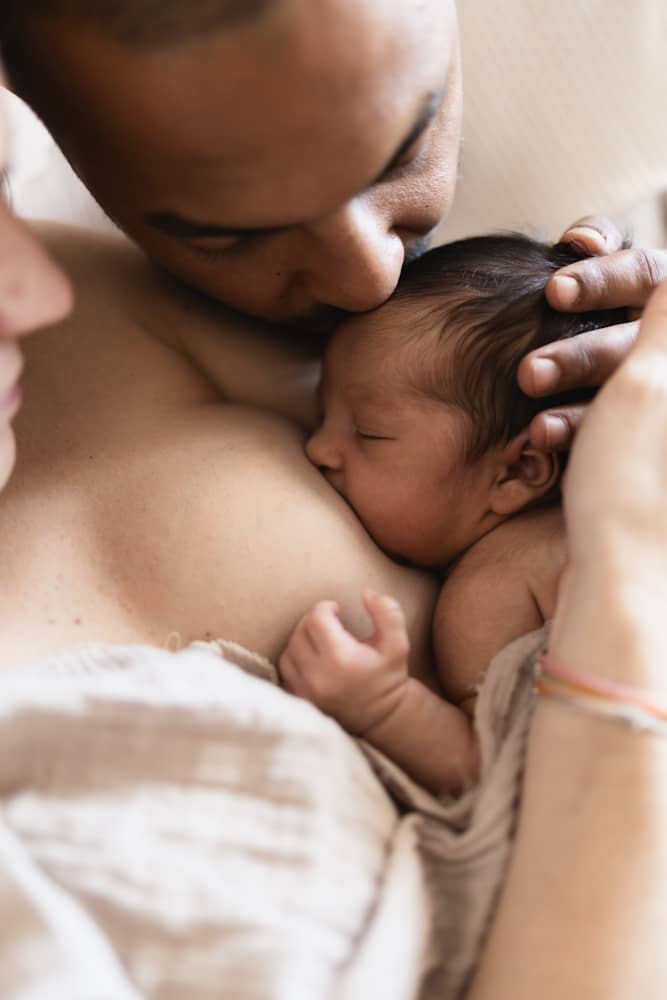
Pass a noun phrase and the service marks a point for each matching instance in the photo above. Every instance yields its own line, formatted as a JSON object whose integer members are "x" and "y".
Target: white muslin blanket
{"x": 173, "y": 826}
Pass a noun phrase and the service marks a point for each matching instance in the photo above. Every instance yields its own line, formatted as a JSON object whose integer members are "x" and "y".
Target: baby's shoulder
{"x": 501, "y": 588}
{"x": 535, "y": 536}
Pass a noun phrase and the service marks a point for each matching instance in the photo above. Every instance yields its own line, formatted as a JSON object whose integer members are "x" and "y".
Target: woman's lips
{"x": 10, "y": 402}
{"x": 11, "y": 366}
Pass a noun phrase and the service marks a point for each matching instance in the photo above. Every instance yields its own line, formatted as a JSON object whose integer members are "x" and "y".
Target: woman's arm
{"x": 584, "y": 908}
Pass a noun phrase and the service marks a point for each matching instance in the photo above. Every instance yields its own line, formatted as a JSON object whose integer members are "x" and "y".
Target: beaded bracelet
{"x": 600, "y": 696}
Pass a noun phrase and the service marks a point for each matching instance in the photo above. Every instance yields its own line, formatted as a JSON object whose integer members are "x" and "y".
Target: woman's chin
{"x": 7, "y": 453}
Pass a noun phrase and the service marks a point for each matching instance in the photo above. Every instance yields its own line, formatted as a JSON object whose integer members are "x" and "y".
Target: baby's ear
{"x": 525, "y": 475}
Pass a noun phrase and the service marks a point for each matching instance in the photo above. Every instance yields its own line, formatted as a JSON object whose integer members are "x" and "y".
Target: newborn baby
{"x": 425, "y": 433}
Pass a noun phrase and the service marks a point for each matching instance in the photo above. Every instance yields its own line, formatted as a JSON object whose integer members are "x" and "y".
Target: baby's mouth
{"x": 334, "y": 480}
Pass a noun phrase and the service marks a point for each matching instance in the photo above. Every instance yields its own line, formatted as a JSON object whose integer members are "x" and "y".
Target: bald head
{"x": 138, "y": 22}
{"x": 285, "y": 164}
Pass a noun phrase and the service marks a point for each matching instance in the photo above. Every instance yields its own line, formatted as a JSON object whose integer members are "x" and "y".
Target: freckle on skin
{"x": 77, "y": 621}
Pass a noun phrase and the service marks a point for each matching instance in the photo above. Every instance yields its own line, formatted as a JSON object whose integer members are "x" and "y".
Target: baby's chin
{"x": 7, "y": 453}
{"x": 394, "y": 555}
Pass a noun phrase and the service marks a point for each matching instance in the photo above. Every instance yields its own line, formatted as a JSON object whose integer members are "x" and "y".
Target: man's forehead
{"x": 283, "y": 107}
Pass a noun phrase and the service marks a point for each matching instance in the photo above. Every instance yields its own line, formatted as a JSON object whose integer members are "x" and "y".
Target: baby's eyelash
{"x": 369, "y": 437}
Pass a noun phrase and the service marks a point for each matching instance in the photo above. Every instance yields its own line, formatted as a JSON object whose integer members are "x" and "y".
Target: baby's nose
{"x": 321, "y": 451}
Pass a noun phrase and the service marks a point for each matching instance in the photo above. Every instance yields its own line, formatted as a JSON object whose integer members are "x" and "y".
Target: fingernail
{"x": 546, "y": 374}
{"x": 593, "y": 240}
{"x": 557, "y": 432}
{"x": 567, "y": 290}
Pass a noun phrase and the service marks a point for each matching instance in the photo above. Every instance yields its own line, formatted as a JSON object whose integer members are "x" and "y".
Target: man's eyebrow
{"x": 427, "y": 111}
{"x": 175, "y": 225}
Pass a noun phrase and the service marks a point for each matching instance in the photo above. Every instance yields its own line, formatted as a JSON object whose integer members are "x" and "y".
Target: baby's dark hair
{"x": 487, "y": 292}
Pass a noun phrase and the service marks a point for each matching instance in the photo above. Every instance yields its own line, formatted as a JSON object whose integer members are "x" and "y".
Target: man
{"x": 284, "y": 156}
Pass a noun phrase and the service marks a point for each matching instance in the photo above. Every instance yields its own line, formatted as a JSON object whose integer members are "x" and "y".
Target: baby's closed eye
{"x": 369, "y": 436}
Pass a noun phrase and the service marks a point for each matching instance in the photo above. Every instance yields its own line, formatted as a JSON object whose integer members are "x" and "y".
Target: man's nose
{"x": 321, "y": 451}
{"x": 354, "y": 259}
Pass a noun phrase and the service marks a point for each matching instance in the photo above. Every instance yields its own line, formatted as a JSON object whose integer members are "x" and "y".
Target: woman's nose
{"x": 354, "y": 260}
{"x": 33, "y": 290}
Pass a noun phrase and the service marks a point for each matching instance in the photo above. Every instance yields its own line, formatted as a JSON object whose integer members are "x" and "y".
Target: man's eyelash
{"x": 213, "y": 253}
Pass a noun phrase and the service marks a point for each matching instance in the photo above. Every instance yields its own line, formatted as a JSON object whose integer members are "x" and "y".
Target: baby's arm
{"x": 366, "y": 687}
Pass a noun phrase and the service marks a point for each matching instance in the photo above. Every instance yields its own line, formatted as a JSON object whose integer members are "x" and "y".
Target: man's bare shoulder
{"x": 246, "y": 360}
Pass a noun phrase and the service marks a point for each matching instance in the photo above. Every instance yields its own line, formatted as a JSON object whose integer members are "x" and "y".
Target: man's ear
{"x": 525, "y": 475}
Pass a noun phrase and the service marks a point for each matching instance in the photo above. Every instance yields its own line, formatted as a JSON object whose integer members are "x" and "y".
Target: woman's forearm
{"x": 584, "y": 909}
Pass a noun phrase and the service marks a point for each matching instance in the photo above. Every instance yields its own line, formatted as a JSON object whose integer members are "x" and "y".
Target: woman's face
{"x": 33, "y": 292}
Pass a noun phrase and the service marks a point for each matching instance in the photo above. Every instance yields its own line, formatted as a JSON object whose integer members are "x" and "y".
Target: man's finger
{"x": 586, "y": 360}
{"x": 620, "y": 280}
{"x": 595, "y": 234}
{"x": 554, "y": 430}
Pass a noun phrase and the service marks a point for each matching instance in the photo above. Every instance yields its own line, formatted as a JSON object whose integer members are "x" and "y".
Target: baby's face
{"x": 398, "y": 458}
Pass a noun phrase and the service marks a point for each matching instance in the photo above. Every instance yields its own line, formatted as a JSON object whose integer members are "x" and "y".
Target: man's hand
{"x": 358, "y": 683}
{"x": 614, "y": 278}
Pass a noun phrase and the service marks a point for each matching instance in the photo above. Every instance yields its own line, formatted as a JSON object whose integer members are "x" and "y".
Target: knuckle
{"x": 649, "y": 269}
{"x": 324, "y": 690}
{"x": 602, "y": 279}
{"x": 318, "y": 616}
{"x": 581, "y": 358}
{"x": 340, "y": 660}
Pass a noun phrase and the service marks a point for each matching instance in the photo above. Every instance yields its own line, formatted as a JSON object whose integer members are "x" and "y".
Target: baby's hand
{"x": 358, "y": 683}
